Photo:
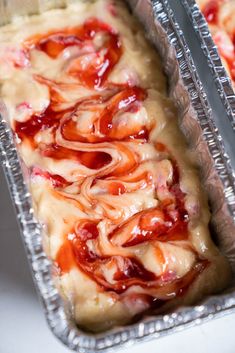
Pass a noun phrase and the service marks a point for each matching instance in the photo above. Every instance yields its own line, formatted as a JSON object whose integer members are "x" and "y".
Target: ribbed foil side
{"x": 187, "y": 91}
{"x": 220, "y": 75}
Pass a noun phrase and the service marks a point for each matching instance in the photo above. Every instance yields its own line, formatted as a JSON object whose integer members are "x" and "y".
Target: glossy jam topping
{"x": 128, "y": 271}
{"x": 153, "y": 224}
{"x": 92, "y": 160}
{"x": 100, "y": 131}
{"x": 102, "y": 60}
{"x": 116, "y": 188}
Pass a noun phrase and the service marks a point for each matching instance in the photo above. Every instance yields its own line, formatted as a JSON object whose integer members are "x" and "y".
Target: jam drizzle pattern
{"x": 89, "y": 147}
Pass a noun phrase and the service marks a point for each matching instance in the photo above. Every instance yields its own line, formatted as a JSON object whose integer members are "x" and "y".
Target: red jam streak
{"x": 122, "y": 101}
{"x": 92, "y": 160}
{"x": 116, "y": 188}
{"x": 56, "y": 180}
{"x": 155, "y": 224}
{"x": 103, "y": 60}
{"x": 166, "y": 222}
{"x": 211, "y": 10}
{"x": 75, "y": 252}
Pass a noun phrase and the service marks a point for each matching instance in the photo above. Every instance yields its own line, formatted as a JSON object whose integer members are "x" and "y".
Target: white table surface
{"x": 23, "y": 328}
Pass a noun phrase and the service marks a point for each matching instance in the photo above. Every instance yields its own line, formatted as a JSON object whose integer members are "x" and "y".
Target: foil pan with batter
{"x": 217, "y": 175}
{"x": 222, "y": 81}
{"x": 216, "y": 81}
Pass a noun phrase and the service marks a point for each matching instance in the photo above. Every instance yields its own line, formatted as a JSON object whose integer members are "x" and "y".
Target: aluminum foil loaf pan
{"x": 220, "y": 76}
{"x": 217, "y": 176}
{"x": 216, "y": 81}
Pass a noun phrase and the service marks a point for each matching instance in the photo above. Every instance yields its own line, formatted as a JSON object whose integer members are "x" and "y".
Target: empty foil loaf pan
{"x": 218, "y": 178}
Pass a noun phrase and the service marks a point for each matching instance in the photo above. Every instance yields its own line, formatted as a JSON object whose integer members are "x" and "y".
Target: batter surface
{"x": 113, "y": 183}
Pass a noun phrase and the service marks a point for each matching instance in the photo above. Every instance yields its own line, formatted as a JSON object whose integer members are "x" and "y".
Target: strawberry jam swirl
{"x": 220, "y": 17}
{"x": 103, "y": 133}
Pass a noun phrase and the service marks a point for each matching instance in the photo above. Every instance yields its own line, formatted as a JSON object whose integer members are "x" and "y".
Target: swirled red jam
{"x": 220, "y": 15}
{"x": 113, "y": 183}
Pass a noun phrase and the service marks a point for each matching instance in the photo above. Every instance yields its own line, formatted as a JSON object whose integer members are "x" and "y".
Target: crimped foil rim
{"x": 56, "y": 314}
{"x": 221, "y": 78}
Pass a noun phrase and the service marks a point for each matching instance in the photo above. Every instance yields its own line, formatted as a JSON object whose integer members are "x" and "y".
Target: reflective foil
{"x": 217, "y": 175}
